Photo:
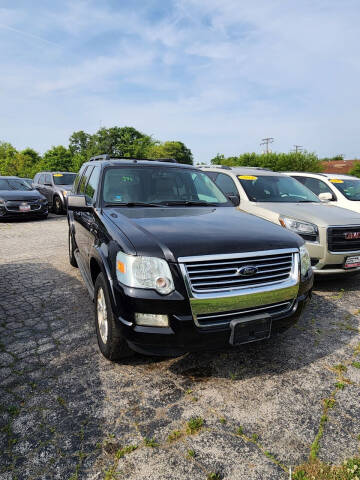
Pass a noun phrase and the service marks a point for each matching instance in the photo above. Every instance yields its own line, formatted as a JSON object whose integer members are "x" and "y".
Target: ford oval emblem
{"x": 247, "y": 271}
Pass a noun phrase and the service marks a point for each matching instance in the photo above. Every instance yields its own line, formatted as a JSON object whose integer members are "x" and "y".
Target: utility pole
{"x": 297, "y": 148}
{"x": 266, "y": 142}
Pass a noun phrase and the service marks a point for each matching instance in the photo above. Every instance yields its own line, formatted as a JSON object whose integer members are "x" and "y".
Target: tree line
{"x": 280, "y": 162}
{"x": 116, "y": 141}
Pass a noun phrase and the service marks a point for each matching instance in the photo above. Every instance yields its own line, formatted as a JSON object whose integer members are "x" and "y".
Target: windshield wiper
{"x": 133, "y": 204}
{"x": 190, "y": 203}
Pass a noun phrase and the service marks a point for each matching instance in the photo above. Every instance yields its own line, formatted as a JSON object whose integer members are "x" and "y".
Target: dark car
{"x": 19, "y": 200}
{"x": 55, "y": 186}
{"x": 172, "y": 266}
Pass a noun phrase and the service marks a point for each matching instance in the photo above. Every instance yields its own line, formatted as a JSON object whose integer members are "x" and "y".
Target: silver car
{"x": 55, "y": 186}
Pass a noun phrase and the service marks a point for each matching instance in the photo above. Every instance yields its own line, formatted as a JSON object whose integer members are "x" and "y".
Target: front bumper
{"x": 184, "y": 333}
{"x": 13, "y": 214}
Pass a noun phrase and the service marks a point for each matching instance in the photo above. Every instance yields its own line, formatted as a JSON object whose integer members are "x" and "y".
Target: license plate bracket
{"x": 352, "y": 262}
{"x": 250, "y": 329}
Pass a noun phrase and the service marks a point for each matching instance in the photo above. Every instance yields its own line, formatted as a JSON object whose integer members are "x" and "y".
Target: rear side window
{"x": 40, "y": 180}
{"x": 92, "y": 185}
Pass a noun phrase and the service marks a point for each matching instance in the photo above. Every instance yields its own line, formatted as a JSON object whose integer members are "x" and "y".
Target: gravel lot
{"x": 67, "y": 413}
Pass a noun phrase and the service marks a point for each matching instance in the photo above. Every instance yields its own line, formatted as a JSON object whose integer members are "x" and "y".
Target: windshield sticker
{"x": 58, "y": 175}
{"x": 247, "y": 177}
{"x": 336, "y": 180}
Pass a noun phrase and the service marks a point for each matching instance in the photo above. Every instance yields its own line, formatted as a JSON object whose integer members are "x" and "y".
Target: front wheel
{"x": 110, "y": 338}
{"x": 57, "y": 205}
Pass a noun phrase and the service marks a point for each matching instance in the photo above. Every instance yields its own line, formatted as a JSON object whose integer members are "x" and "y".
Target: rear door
{"x": 48, "y": 188}
{"x": 82, "y": 220}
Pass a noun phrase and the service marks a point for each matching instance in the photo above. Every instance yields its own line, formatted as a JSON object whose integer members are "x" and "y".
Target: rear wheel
{"x": 110, "y": 338}
{"x": 57, "y": 205}
{"x": 72, "y": 258}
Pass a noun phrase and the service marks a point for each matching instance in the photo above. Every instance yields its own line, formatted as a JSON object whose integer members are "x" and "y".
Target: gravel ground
{"x": 67, "y": 413}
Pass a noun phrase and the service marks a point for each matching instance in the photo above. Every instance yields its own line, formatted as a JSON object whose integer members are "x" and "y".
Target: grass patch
{"x": 329, "y": 403}
{"x": 356, "y": 364}
{"x": 213, "y": 476}
{"x": 340, "y": 385}
{"x": 194, "y": 425}
{"x": 223, "y": 420}
{"x": 240, "y": 431}
{"x": 123, "y": 451}
{"x": 315, "y": 446}
{"x": 175, "y": 435}
{"x": 340, "y": 368}
{"x": 316, "y": 470}
{"x": 191, "y": 453}
{"x": 150, "y": 442}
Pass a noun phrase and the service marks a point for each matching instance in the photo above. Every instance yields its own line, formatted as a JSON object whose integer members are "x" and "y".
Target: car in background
{"x": 55, "y": 186}
{"x": 19, "y": 200}
{"x": 173, "y": 267}
{"x": 331, "y": 234}
{"x": 341, "y": 190}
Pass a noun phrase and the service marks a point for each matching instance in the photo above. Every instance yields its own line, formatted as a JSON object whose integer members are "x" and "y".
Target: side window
{"x": 48, "y": 179}
{"x": 315, "y": 185}
{"x": 226, "y": 184}
{"x": 92, "y": 185}
{"x": 212, "y": 175}
{"x": 77, "y": 180}
{"x": 40, "y": 180}
{"x": 84, "y": 179}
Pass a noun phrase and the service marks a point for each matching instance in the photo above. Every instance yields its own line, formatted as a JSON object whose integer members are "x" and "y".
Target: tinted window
{"x": 226, "y": 184}
{"x": 92, "y": 185}
{"x": 261, "y": 188}
{"x": 48, "y": 179}
{"x": 40, "y": 180}
{"x": 314, "y": 184}
{"x": 64, "y": 178}
{"x": 84, "y": 179}
{"x": 349, "y": 188}
{"x": 167, "y": 185}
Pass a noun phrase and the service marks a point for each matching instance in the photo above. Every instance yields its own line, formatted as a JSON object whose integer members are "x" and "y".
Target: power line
{"x": 266, "y": 142}
{"x": 297, "y": 148}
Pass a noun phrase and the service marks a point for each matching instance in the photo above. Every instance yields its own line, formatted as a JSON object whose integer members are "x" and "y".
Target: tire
{"x": 72, "y": 259}
{"x": 57, "y": 205}
{"x": 111, "y": 341}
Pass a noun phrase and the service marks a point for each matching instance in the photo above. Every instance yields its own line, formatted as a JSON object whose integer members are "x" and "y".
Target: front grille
{"x": 224, "y": 318}
{"x": 223, "y": 274}
{"x": 337, "y": 241}
{"x": 13, "y": 205}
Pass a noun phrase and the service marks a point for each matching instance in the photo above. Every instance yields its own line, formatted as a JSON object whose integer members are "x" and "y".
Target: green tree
{"x": 121, "y": 142}
{"x": 8, "y": 164}
{"x": 355, "y": 170}
{"x": 57, "y": 158}
{"x": 27, "y": 162}
{"x": 171, "y": 149}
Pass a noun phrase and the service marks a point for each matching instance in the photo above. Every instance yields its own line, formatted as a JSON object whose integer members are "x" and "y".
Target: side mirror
{"x": 78, "y": 202}
{"x": 234, "y": 199}
{"x": 326, "y": 196}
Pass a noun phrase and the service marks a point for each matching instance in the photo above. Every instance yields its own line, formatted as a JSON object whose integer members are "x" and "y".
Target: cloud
{"x": 219, "y": 75}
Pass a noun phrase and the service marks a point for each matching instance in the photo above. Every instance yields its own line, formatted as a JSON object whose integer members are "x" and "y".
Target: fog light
{"x": 151, "y": 320}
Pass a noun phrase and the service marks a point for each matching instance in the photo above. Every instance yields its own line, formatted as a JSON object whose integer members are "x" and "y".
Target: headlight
{"x": 2, "y": 202}
{"x": 65, "y": 192}
{"x": 299, "y": 227}
{"x": 144, "y": 272}
{"x": 305, "y": 262}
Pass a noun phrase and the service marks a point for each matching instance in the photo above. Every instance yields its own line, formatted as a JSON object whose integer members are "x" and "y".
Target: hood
{"x": 321, "y": 214}
{"x": 186, "y": 231}
{"x": 26, "y": 195}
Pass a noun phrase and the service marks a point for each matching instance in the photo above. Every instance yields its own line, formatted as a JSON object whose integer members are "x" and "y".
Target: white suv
{"x": 341, "y": 190}
{"x": 332, "y": 234}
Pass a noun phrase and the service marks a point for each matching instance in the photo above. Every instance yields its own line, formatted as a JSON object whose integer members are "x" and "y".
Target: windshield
{"x": 261, "y": 188}
{"x": 14, "y": 184}
{"x": 349, "y": 188}
{"x": 161, "y": 186}
{"x": 64, "y": 178}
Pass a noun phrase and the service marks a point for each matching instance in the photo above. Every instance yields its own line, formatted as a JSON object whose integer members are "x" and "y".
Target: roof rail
{"x": 224, "y": 167}
{"x": 113, "y": 157}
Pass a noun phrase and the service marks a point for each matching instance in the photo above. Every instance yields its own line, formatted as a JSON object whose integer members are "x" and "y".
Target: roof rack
{"x": 224, "y": 167}
{"x": 112, "y": 157}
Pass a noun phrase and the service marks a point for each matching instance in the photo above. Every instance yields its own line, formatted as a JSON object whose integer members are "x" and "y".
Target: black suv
{"x": 55, "y": 186}
{"x": 172, "y": 266}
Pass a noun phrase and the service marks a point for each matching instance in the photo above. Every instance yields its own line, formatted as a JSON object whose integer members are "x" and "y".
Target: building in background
{"x": 339, "y": 166}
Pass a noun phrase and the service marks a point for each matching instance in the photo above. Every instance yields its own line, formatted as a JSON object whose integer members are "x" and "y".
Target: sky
{"x": 218, "y": 75}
